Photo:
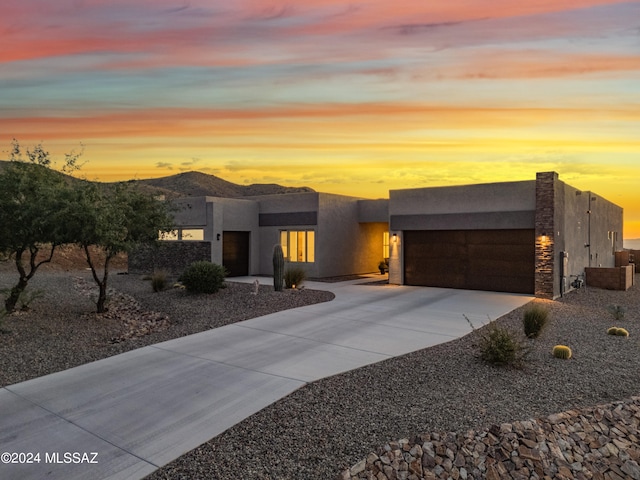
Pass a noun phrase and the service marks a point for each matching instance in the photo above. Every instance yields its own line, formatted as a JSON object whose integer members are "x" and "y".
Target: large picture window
{"x": 298, "y": 245}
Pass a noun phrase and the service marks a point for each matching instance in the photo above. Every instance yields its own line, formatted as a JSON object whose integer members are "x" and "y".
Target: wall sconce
{"x": 218, "y": 237}
{"x": 544, "y": 237}
{"x": 395, "y": 238}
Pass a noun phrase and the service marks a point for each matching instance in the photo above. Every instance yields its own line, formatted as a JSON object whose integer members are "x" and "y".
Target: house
{"x": 530, "y": 237}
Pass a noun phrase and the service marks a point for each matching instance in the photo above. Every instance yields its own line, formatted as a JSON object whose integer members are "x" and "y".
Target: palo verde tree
{"x": 32, "y": 201}
{"x": 113, "y": 218}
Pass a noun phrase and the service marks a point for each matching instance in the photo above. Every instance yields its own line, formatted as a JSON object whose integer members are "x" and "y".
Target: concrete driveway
{"x": 125, "y": 416}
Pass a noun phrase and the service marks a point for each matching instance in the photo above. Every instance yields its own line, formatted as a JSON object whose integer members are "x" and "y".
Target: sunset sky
{"x": 352, "y": 97}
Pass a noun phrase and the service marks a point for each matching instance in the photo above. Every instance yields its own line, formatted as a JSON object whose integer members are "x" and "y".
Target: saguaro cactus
{"x": 278, "y": 268}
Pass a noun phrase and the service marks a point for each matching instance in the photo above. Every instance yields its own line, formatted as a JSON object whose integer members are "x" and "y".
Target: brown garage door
{"x": 495, "y": 260}
{"x": 235, "y": 253}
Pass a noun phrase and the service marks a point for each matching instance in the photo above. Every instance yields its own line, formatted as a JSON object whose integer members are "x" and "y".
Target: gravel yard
{"x": 61, "y": 329}
{"x": 334, "y": 423}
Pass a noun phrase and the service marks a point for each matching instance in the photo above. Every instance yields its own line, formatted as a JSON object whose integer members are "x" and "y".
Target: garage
{"x": 493, "y": 260}
{"x": 235, "y": 253}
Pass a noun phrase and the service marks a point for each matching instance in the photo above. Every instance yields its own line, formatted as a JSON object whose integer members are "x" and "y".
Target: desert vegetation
{"x": 42, "y": 208}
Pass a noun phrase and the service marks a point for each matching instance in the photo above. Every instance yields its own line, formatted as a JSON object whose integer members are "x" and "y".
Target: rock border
{"x": 601, "y": 443}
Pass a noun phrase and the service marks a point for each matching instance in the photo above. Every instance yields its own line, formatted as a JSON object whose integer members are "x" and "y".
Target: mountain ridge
{"x": 194, "y": 184}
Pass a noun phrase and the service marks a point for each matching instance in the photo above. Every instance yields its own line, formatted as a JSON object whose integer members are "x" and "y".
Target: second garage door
{"x": 494, "y": 260}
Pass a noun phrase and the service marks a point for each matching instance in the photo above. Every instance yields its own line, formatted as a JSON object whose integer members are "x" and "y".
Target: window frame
{"x": 303, "y": 241}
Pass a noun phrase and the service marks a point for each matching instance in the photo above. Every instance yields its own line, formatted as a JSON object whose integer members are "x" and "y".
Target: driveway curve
{"x": 125, "y": 416}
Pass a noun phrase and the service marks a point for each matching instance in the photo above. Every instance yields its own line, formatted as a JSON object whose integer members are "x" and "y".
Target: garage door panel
{"x": 498, "y": 260}
{"x": 502, "y": 284}
{"x": 451, "y": 280}
{"x": 513, "y": 252}
{"x": 498, "y": 268}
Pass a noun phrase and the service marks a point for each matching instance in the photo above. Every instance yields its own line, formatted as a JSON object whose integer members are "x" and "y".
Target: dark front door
{"x": 235, "y": 253}
{"x": 494, "y": 260}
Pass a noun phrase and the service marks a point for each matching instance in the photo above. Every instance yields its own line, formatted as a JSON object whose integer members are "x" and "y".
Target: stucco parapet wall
{"x": 373, "y": 211}
{"x": 288, "y": 202}
{"x": 488, "y": 197}
{"x": 465, "y": 221}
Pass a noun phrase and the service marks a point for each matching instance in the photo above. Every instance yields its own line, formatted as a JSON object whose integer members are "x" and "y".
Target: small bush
{"x": 203, "y": 277}
{"x": 159, "y": 280}
{"x": 294, "y": 277}
{"x": 562, "y": 351}
{"x": 499, "y": 346}
{"x": 617, "y": 311}
{"x": 534, "y": 320}
{"x": 621, "y": 332}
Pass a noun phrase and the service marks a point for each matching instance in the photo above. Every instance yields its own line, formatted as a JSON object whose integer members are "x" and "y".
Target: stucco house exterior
{"x": 530, "y": 237}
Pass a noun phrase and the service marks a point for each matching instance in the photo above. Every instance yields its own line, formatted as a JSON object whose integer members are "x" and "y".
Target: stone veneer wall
{"x": 614, "y": 278}
{"x": 601, "y": 443}
{"x": 545, "y": 225}
{"x": 171, "y": 256}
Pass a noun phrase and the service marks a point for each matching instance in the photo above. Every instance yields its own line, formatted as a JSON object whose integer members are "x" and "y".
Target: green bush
{"x": 159, "y": 280}
{"x": 203, "y": 277}
{"x": 534, "y": 320}
{"x": 294, "y": 277}
{"x": 617, "y": 311}
{"x": 562, "y": 351}
{"x": 499, "y": 346}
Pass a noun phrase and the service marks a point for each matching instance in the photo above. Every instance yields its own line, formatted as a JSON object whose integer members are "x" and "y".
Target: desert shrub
{"x": 535, "y": 318}
{"x": 620, "y": 332}
{"x": 562, "y": 351}
{"x": 159, "y": 280}
{"x": 500, "y": 346}
{"x": 617, "y": 311}
{"x": 203, "y": 277}
{"x": 294, "y": 276}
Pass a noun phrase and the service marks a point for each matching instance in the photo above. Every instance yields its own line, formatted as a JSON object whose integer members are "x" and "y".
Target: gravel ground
{"x": 333, "y": 423}
{"x": 61, "y": 329}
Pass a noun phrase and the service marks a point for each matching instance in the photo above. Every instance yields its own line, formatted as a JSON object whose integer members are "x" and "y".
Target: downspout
{"x": 589, "y": 229}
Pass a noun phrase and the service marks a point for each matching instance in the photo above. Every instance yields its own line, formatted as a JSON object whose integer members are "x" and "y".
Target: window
{"x": 171, "y": 235}
{"x": 385, "y": 245}
{"x": 183, "y": 234}
{"x": 193, "y": 234}
{"x": 298, "y": 246}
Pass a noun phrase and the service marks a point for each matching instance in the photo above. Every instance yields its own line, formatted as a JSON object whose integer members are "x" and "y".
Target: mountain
{"x": 196, "y": 184}
{"x": 632, "y": 243}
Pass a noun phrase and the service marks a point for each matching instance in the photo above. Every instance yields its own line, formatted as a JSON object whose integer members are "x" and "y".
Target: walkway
{"x": 127, "y": 415}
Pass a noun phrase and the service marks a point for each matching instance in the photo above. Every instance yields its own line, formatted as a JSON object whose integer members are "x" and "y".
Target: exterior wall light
{"x": 395, "y": 238}
{"x": 218, "y": 237}
{"x": 544, "y": 237}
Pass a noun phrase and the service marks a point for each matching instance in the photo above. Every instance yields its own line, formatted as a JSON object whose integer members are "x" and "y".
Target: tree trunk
{"x": 16, "y": 291}
{"x": 14, "y": 296}
{"x": 102, "y": 283}
{"x": 102, "y": 297}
